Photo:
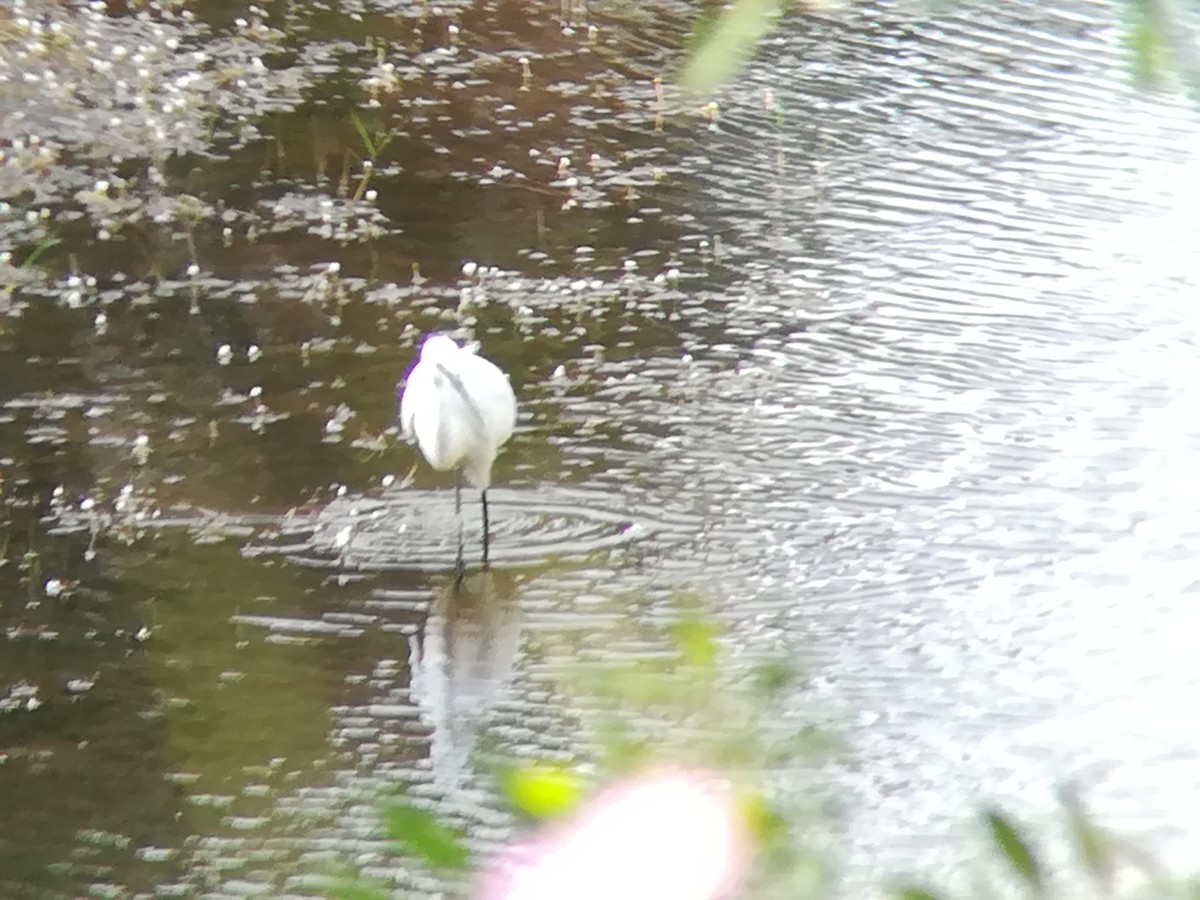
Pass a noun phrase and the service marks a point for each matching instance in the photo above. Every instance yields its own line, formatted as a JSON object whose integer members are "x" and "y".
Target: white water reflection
{"x": 462, "y": 663}
{"x": 1002, "y": 455}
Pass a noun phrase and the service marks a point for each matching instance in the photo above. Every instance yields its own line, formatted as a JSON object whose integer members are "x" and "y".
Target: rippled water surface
{"x": 891, "y": 356}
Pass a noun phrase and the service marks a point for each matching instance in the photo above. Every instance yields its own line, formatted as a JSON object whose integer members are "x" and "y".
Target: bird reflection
{"x": 461, "y": 664}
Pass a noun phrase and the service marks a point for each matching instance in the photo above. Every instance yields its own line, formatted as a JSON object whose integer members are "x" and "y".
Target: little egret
{"x": 459, "y": 409}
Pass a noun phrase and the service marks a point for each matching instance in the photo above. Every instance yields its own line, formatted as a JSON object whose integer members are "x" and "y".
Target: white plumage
{"x": 459, "y": 409}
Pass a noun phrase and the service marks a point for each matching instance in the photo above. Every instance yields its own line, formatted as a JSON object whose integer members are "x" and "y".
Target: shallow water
{"x": 893, "y": 362}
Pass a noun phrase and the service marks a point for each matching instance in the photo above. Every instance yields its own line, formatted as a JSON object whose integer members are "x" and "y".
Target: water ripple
{"x": 419, "y": 530}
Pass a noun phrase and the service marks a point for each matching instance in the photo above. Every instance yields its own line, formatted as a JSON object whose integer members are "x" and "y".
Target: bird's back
{"x": 461, "y": 409}
{"x": 491, "y": 393}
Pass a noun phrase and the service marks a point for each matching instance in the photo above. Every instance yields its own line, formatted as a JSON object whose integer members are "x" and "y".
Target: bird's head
{"x": 437, "y": 346}
{"x": 434, "y": 348}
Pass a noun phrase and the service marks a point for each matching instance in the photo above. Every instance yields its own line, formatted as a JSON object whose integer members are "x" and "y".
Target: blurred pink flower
{"x": 665, "y": 835}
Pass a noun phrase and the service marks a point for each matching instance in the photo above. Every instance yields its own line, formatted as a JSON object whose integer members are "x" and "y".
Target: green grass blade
{"x": 367, "y": 140}
{"x": 419, "y": 832}
{"x": 1016, "y": 851}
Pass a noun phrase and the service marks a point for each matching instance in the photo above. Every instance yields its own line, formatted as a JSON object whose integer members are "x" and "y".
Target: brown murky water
{"x": 892, "y": 360}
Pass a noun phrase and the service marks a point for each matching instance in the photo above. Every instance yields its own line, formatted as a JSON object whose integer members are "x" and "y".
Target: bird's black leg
{"x": 485, "y": 528}
{"x": 460, "y": 566}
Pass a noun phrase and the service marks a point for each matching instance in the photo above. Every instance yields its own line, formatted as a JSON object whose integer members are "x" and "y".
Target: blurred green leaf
{"x": 696, "y": 641}
{"x": 641, "y": 687}
{"x": 420, "y": 832}
{"x": 623, "y": 752}
{"x": 1091, "y": 842}
{"x": 734, "y": 750}
{"x": 729, "y": 43}
{"x": 353, "y": 890}
{"x": 766, "y": 825}
{"x": 543, "y": 792}
{"x": 809, "y": 743}
{"x": 773, "y": 677}
{"x": 1147, "y": 42}
{"x": 915, "y": 893}
{"x": 1015, "y": 850}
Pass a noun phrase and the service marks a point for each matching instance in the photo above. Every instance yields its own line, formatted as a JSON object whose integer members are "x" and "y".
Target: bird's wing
{"x": 491, "y": 395}
{"x": 418, "y": 389}
{"x": 470, "y": 403}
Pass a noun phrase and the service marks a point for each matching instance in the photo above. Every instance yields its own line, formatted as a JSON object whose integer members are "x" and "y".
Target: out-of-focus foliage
{"x": 423, "y": 835}
{"x": 1006, "y": 837}
{"x": 1114, "y": 866}
{"x": 1146, "y": 36}
{"x": 543, "y": 791}
{"x": 1161, "y": 40}
{"x": 682, "y": 709}
{"x": 725, "y": 41}
{"x": 417, "y": 833}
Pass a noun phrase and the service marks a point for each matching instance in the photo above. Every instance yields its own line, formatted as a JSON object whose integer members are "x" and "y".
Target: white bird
{"x": 459, "y": 409}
